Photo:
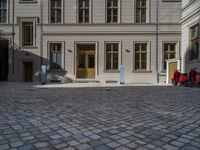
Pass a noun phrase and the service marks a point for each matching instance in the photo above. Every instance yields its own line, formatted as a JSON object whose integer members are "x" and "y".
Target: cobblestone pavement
{"x": 142, "y": 118}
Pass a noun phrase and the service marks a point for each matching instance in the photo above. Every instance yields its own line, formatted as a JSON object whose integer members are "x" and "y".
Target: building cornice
{"x": 189, "y": 5}
{"x": 108, "y": 32}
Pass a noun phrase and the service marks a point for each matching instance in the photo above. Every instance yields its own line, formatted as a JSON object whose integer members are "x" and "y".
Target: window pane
{"x": 115, "y": 12}
{"x": 86, "y": 3}
{"x": 108, "y": 61}
{"x": 81, "y": 61}
{"x": 109, "y": 3}
{"x": 144, "y": 47}
{"x": 143, "y": 3}
{"x": 115, "y": 3}
{"x": 143, "y": 15}
{"x": 137, "y": 62}
{"x": 115, "y": 47}
{"x": 91, "y": 61}
{"x": 143, "y": 61}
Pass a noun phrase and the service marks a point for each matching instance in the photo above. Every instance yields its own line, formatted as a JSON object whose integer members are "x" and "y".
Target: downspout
{"x": 13, "y": 37}
{"x": 157, "y": 34}
{"x": 41, "y": 36}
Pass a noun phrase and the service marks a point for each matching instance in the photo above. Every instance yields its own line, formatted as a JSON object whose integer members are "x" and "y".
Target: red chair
{"x": 183, "y": 79}
{"x": 176, "y": 78}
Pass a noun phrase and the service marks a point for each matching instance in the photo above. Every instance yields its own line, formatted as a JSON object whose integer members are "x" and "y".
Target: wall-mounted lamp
{"x": 69, "y": 50}
{"x": 127, "y": 50}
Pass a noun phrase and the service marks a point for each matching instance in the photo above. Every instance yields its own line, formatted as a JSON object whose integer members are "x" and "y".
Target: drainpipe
{"x": 41, "y": 36}
{"x": 13, "y": 37}
{"x": 157, "y": 34}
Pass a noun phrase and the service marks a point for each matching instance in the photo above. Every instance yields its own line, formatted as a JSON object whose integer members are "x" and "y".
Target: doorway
{"x": 4, "y": 60}
{"x": 28, "y": 71}
{"x": 86, "y": 61}
{"x": 172, "y": 69}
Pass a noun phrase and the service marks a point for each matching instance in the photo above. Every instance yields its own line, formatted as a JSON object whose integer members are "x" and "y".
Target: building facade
{"x": 190, "y": 35}
{"x": 90, "y": 39}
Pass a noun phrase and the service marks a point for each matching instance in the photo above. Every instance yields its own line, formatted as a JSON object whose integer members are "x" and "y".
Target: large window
{"x": 56, "y": 11}
{"x": 55, "y": 55}
{"x": 112, "y": 11}
{"x": 27, "y": 33}
{"x": 141, "y": 9}
{"x": 112, "y": 56}
{"x": 194, "y": 42}
{"x": 140, "y": 56}
{"x": 84, "y": 11}
{"x": 3, "y": 11}
{"x": 169, "y": 52}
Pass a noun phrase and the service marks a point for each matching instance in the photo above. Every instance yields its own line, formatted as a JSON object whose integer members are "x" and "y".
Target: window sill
{"x": 141, "y": 71}
{"x": 193, "y": 61}
{"x": 111, "y": 71}
{"x": 55, "y": 70}
{"x": 27, "y": 2}
{"x": 29, "y": 47}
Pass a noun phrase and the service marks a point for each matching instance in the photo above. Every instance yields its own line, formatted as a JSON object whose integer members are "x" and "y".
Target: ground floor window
{"x": 140, "y": 56}
{"x": 169, "y": 52}
{"x": 55, "y": 55}
{"x": 112, "y": 56}
{"x": 194, "y": 42}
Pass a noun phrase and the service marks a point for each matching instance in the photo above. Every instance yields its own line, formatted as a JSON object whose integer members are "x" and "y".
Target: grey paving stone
{"x": 123, "y": 141}
{"x": 195, "y": 144}
{"x": 60, "y": 146}
{"x": 102, "y": 147}
{"x": 28, "y": 138}
{"x": 113, "y": 145}
{"x": 73, "y": 143}
{"x": 94, "y": 137}
{"x": 55, "y": 137}
{"x": 131, "y": 145}
{"x": 16, "y": 144}
{"x": 83, "y": 147}
{"x": 41, "y": 144}
{"x": 177, "y": 143}
{"x": 122, "y": 148}
{"x": 170, "y": 147}
{"x": 4, "y": 147}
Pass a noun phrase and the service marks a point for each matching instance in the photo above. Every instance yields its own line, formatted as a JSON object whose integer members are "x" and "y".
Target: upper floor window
{"x": 27, "y": 33}
{"x": 3, "y": 11}
{"x": 140, "y": 56}
{"x": 56, "y": 11}
{"x": 112, "y": 11}
{"x": 194, "y": 42}
{"x": 169, "y": 52}
{"x": 27, "y": 1}
{"x": 141, "y": 11}
{"x": 84, "y": 11}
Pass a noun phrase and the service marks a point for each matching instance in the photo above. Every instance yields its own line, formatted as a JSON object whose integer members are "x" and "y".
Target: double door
{"x": 86, "y": 63}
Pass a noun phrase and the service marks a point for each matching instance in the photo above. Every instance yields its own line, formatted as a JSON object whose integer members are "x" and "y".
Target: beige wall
{"x": 69, "y": 32}
{"x": 190, "y": 17}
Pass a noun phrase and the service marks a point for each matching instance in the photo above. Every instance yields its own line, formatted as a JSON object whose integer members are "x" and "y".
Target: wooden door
{"x": 86, "y": 62}
{"x": 28, "y": 71}
{"x": 172, "y": 69}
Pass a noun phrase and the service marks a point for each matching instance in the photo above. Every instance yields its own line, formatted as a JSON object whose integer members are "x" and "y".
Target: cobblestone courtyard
{"x": 144, "y": 118}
